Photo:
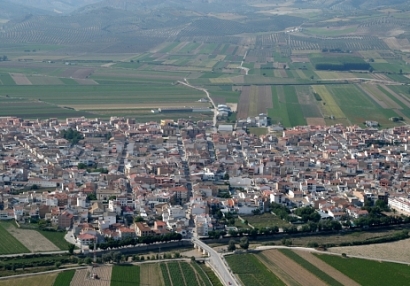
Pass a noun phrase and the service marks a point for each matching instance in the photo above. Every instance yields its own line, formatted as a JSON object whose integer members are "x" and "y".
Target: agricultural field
{"x": 32, "y": 239}
{"x": 184, "y": 273}
{"x": 64, "y": 278}
{"x": 251, "y": 271}
{"x": 377, "y": 272}
{"x": 125, "y": 275}
{"x": 150, "y": 274}
{"x": 56, "y": 237}
{"x": 35, "y": 280}
{"x": 82, "y": 276}
{"x": 10, "y": 244}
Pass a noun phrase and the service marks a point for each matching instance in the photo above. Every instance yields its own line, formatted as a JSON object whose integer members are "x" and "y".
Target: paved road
{"x": 218, "y": 264}
{"x": 186, "y": 83}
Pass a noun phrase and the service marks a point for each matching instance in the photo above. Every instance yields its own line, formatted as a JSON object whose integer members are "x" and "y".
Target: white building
{"x": 400, "y": 204}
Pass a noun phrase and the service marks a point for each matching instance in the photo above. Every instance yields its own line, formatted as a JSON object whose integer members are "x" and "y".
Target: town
{"x": 117, "y": 180}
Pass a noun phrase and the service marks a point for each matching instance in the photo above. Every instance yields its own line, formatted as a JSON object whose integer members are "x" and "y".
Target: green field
{"x": 10, "y": 245}
{"x": 263, "y": 221}
{"x": 56, "y": 237}
{"x": 369, "y": 272}
{"x": 64, "y": 278}
{"x": 123, "y": 275}
{"x": 251, "y": 271}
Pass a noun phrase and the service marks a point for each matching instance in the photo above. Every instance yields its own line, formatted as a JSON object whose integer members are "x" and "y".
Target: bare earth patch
{"x": 32, "y": 239}
{"x": 20, "y": 79}
{"x": 315, "y": 121}
{"x": 336, "y": 274}
{"x": 82, "y": 277}
{"x": 293, "y": 269}
{"x": 397, "y": 250}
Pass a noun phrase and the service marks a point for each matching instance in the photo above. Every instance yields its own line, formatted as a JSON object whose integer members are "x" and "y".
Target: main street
{"x": 218, "y": 264}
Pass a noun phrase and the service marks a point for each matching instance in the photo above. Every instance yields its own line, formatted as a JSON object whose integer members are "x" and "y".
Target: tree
{"x": 244, "y": 243}
{"x": 139, "y": 219}
{"x": 4, "y": 58}
{"x": 116, "y": 256}
{"x": 91, "y": 197}
{"x": 71, "y": 248}
{"x": 231, "y": 245}
{"x": 34, "y": 187}
{"x": 82, "y": 166}
{"x": 88, "y": 260}
{"x": 401, "y": 71}
{"x": 226, "y": 177}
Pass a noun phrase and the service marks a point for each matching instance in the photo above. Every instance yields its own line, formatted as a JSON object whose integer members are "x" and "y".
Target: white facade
{"x": 401, "y": 204}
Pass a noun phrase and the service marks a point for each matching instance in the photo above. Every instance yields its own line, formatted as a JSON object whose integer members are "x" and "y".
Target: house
{"x": 85, "y": 239}
{"x": 65, "y": 220}
{"x": 142, "y": 229}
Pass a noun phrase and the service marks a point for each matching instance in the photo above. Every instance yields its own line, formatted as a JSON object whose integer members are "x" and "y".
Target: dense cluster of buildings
{"x": 125, "y": 179}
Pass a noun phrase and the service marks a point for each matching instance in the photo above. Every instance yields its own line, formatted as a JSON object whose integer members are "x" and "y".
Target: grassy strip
{"x": 377, "y": 273}
{"x": 125, "y": 275}
{"x": 310, "y": 267}
{"x": 64, "y": 278}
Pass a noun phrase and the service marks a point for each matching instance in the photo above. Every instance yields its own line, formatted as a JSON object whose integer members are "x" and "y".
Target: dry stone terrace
{"x": 171, "y": 175}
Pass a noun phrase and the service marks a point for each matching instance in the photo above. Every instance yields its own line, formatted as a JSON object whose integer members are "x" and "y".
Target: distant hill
{"x": 57, "y": 6}
{"x": 11, "y": 10}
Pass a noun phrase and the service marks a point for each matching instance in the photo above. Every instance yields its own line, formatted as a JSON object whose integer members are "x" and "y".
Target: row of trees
{"x": 112, "y": 243}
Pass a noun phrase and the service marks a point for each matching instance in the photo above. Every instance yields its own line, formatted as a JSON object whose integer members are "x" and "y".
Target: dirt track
{"x": 291, "y": 268}
{"x": 336, "y": 274}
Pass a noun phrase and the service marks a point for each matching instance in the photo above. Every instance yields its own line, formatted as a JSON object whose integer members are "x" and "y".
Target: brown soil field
{"x": 297, "y": 272}
{"x": 300, "y": 59}
{"x": 397, "y": 250}
{"x": 77, "y": 73}
{"x": 334, "y": 273}
{"x": 82, "y": 277}
{"x": 20, "y": 79}
{"x": 151, "y": 274}
{"x": 238, "y": 79}
{"x": 315, "y": 121}
{"x": 282, "y": 275}
{"x": 32, "y": 239}
{"x": 243, "y": 105}
{"x": 264, "y": 98}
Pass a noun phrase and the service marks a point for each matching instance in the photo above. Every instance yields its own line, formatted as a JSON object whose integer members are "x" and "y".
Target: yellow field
{"x": 38, "y": 280}
{"x": 221, "y": 80}
{"x": 334, "y": 75}
{"x": 301, "y": 74}
{"x": 328, "y": 104}
{"x": 373, "y": 55}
